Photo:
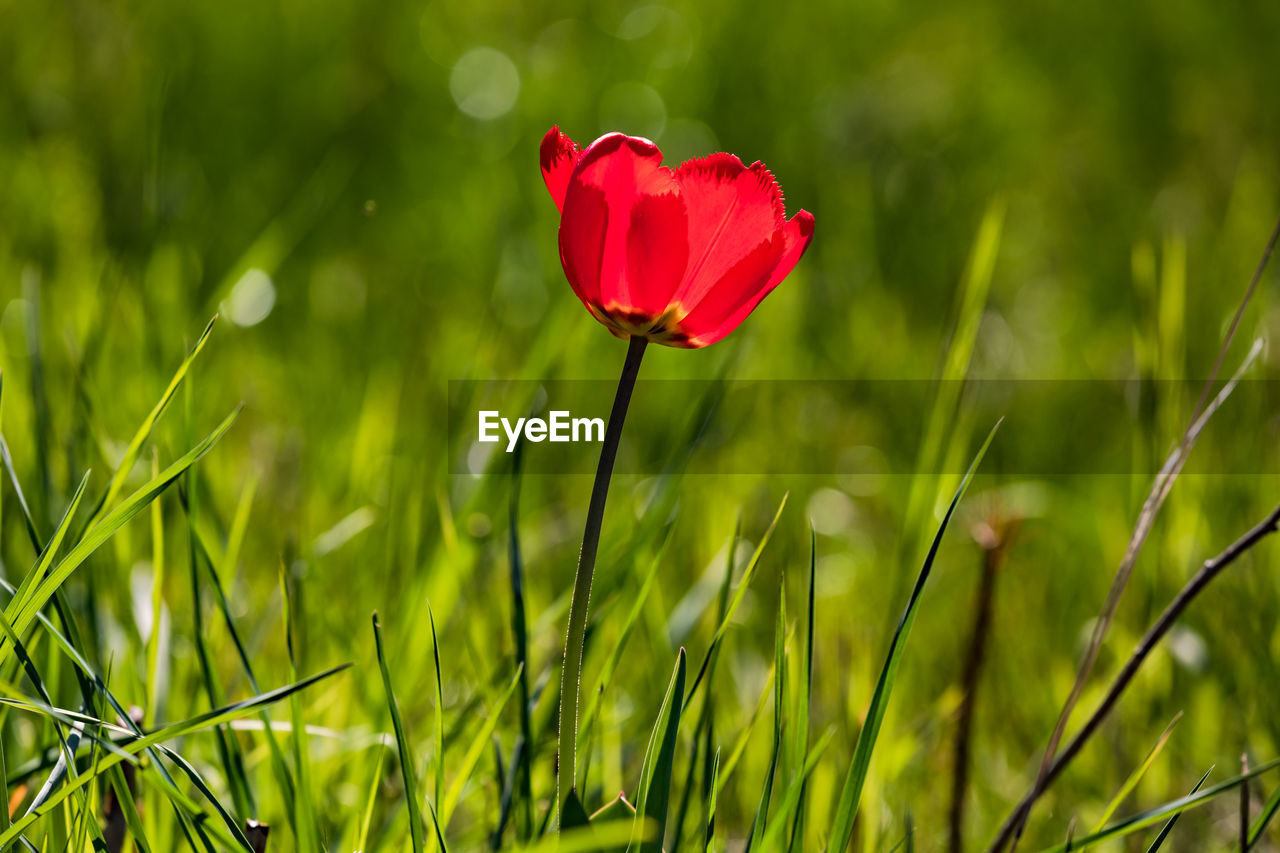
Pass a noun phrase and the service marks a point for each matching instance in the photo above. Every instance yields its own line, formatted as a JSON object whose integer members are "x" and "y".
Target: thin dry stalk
{"x": 1146, "y": 519}
{"x": 1210, "y": 570}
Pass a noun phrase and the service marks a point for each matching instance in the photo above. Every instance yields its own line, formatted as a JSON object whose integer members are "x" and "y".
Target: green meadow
{"x": 262, "y": 263}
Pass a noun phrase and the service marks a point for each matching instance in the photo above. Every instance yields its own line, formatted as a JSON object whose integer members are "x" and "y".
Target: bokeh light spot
{"x": 484, "y": 83}
{"x": 251, "y": 299}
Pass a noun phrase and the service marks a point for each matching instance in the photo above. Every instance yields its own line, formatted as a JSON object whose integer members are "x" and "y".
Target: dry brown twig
{"x": 1012, "y": 827}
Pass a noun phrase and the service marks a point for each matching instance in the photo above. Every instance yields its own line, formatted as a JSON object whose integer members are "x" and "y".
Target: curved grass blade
{"x": 439, "y": 758}
{"x": 702, "y": 732}
{"x": 199, "y": 722}
{"x": 229, "y": 751}
{"x": 1263, "y": 819}
{"x": 655, "y": 775}
{"x": 1137, "y": 774}
{"x": 474, "y": 751}
{"x": 402, "y": 743}
{"x": 45, "y": 560}
{"x": 69, "y": 742}
{"x": 165, "y": 783}
{"x": 709, "y": 837}
{"x": 366, "y": 814}
{"x": 305, "y": 827}
{"x": 140, "y": 437}
{"x": 802, "y": 722}
{"x": 30, "y": 522}
{"x": 22, "y": 614}
{"x": 522, "y": 759}
{"x": 842, "y": 827}
{"x": 739, "y": 594}
{"x": 744, "y": 738}
{"x": 795, "y": 791}
{"x": 1168, "y": 825}
{"x": 280, "y": 767}
{"x": 1130, "y": 825}
{"x": 756, "y": 833}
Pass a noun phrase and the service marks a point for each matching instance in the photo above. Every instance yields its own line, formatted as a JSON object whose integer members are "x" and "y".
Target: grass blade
{"x": 22, "y": 613}
{"x": 1137, "y": 774}
{"x": 402, "y": 743}
{"x": 709, "y": 838}
{"x": 792, "y": 798}
{"x": 851, "y": 793}
{"x": 655, "y": 775}
{"x": 1168, "y": 825}
{"x": 306, "y": 830}
{"x": 802, "y": 721}
{"x": 1130, "y": 825}
{"x": 522, "y": 766}
{"x": 140, "y": 437}
{"x": 740, "y": 593}
{"x": 439, "y": 756}
{"x": 199, "y": 722}
{"x": 474, "y": 751}
{"x": 779, "y": 699}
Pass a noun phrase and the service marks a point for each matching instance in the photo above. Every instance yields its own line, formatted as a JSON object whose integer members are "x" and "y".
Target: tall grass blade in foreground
{"x": 780, "y": 686}
{"x": 22, "y": 612}
{"x": 739, "y": 594}
{"x": 522, "y": 758}
{"x": 842, "y": 827}
{"x": 402, "y": 743}
{"x": 655, "y": 775}
{"x": 140, "y": 437}
{"x": 806, "y": 695}
{"x": 200, "y": 722}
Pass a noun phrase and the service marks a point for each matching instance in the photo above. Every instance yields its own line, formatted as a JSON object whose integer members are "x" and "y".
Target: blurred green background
{"x": 355, "y": 188}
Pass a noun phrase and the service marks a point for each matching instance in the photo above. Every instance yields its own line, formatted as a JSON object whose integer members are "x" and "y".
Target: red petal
{"x": 724, "y": 309}
{"x": 559, "y": 155}
{"x": 732, "y": 210}
{"x": 657, "y": 252}
{"x": 796, "y": 235}
{"x": 623, "y": 230}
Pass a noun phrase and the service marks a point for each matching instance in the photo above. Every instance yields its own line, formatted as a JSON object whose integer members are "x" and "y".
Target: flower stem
{"x": 571, "y": 674}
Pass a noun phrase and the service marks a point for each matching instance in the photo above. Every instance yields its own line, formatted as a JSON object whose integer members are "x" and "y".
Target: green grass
{"x": 198, "y": 517}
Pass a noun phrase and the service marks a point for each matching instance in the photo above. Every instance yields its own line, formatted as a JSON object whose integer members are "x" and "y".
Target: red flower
{"x": 679, "y": 256}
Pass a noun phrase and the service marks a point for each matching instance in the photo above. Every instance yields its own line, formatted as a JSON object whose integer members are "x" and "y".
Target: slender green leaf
{"x": 709, "y": 836}
{"x": 756, "y": 834}
{"x": 474, "y": 751}
{"x": 851, "y": 793}
{"x": 739, "y": 594}
{"x": 791, "y": 798}
{"x": 806, "y": 695}
{"x": 199, "y": 722}
{"x": 1168, "y": 825}
{"x": 655, "y": 775}
{"x": 140, "y": 437}
{"x": 402, "y": 743}
{"x": 371, "y": 799}
{"x": 439, "y": 750}
{"x": 22, "y": 613}
{"x": 1130, "y": 825}
{"x": 1136, "y": 776}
